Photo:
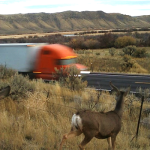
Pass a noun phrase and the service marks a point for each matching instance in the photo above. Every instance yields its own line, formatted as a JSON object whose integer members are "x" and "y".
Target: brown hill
{"x": 68, "y": 21}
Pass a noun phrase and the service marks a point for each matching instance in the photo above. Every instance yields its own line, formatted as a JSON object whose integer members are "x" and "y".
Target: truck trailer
{"x": 38, "y": 60}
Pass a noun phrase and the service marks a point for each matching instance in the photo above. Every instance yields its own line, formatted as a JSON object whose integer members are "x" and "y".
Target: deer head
{"x": 114, "y": 88}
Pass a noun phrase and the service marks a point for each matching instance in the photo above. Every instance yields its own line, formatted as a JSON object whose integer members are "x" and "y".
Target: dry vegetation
{"x": 37, "y": 118}
{"x": 36, "y": 114}
{"x": 102, "y": 60}
{"x": 36, "y": 34}
{"x": 16, "y": 36}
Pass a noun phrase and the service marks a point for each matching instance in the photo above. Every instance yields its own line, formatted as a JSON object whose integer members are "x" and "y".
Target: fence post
{"x": 137, "y": 131}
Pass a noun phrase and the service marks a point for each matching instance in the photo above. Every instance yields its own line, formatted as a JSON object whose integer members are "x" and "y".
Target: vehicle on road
{"x": 38, "y": 60}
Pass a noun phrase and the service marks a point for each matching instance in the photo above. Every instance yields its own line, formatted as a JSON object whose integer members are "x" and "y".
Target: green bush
{"x": 127, "y": 63}
{"x": 134, "y": 51}
{"x": 140, "y": 53}
{"x": 124, "y": 41}
{"x": 21, "y": 86}
{"x": 112, "y": 51}
{"x": 70, "y": 78}
{"x": 129, "y": 50}
{"x": 74, "y": 80}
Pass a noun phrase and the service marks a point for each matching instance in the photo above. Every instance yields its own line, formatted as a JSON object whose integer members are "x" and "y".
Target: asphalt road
{"x": 101, "y": 81}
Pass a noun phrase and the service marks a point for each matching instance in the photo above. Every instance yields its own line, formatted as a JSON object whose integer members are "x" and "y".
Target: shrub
{"x": 129, "y": 50}
{"x": 74, "y": 80}
{"x": 130, "y": 65}
{"x": 140, "y": 53}
{"x": 125, "y": 41}
{"x": 127, "y": 63}
{"x": 91, "y": 44}
{"x": 107, "y": 40}
{"x": 134, "y": 51}
{"x": 70, "y": 78}
{"x": 20, "y": 86}
{"x": 112, "y": 51}
{"x": 77, "y": 43}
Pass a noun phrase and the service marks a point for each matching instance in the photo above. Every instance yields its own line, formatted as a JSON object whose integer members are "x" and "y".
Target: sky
{"x": 126, "y": 7}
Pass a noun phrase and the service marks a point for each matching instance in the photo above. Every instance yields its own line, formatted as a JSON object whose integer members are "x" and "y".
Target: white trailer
{"x": 19, "y": 56}
{"x": 38, "y": 60}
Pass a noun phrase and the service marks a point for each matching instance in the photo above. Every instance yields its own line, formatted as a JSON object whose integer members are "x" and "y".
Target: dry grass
{"x": 36, "y": 34}
{"x": 100, "y": 60}
{"x": 62, "y": 33}
{"x": 39, "y": 122}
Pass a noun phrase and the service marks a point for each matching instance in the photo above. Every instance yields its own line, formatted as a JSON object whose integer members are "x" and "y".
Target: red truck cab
{"x": 54, "y": 56}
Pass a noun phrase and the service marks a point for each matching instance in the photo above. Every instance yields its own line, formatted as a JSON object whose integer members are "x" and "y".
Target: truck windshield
{"x": 66, "y": 61}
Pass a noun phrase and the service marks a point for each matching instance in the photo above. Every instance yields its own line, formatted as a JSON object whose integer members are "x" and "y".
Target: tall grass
{"x": 38, "y": 121}
{"x": 37, "y": 114}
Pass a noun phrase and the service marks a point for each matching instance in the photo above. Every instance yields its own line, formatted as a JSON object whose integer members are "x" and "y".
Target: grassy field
{"x": 36, "y": 118}
{"x": 101, "y": 60}
{"x": 37, "y": 114}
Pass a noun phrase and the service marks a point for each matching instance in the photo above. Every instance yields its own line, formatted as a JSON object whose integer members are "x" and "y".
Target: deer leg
{"x": 84, "y": 142}
{"x": 109, "y": 143}
{"x": 113, "y": 139}
{"x": 69, "y": 135}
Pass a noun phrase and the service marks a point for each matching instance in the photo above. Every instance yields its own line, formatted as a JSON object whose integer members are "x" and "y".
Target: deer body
{"x": 102, "y": 124}
{"x": 97, "y": 124}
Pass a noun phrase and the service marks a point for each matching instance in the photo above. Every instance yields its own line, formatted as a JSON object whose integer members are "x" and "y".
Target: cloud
{"x": 128, "y": 7}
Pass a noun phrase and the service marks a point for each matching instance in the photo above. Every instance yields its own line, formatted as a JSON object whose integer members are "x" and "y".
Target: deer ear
{"x": 128, "y": 90}
{"x": 4, "y": 92}
{"x": 114, "y": 87}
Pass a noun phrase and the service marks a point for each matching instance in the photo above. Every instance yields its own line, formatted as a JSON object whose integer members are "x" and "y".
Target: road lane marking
{"x": 143, "y": 82}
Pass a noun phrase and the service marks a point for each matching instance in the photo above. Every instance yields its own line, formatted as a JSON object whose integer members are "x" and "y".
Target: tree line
{"x": 107, "y": 40}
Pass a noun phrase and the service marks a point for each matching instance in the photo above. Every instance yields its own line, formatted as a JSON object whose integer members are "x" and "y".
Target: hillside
{"x": 67, "y": 21}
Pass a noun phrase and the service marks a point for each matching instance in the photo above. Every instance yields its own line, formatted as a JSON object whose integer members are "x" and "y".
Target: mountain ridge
{"x": 68, "y": 21}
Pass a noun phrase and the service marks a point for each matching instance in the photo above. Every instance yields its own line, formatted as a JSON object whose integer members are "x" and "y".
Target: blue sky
{"x": 128, "y": 7}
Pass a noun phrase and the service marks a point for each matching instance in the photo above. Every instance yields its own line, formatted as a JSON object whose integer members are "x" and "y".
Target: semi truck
{"x": 38, "y": 60}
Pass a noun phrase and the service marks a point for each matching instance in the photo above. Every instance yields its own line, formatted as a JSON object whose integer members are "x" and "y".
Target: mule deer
{"x": 4, "y": 92}
{"x": 97, "y": 124}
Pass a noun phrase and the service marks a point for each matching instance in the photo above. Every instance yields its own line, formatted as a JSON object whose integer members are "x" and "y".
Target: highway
{"x": 101, "y": 81}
